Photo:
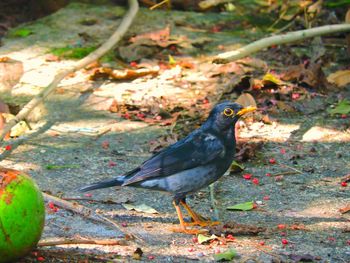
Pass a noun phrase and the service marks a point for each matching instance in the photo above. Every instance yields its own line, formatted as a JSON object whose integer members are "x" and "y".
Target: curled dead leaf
{"x": 127, "y": 74}
{"x": 341, "y": 78}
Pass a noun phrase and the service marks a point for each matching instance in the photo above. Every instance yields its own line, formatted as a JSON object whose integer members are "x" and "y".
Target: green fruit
{"x": 22, "y": 214}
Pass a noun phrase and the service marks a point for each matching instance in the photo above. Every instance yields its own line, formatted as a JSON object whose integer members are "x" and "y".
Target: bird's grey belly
{"x": 187, "y": 181}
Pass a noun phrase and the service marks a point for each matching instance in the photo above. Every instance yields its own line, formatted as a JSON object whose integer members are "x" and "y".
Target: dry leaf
{"x": 141, "y": 208}
{"x": 246, "y": 100}
{"x": 160, "y": 36}
{"x": 127, "y": 74}
{"x": 345, "y": 209}
{"x": 340, "y": 78}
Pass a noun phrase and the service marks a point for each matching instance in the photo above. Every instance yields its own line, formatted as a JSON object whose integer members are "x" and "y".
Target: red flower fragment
{"x": 284, "y": 241}
{"x": 272, "y": 161}
{"x": 247, "y": 176}
{"x": 344, "y": 184}
{"x": 52, "y": 207}
{"x": 8, "y": 147}
{"x": 112, "y": 164}
{"x": 255, "y": 181}
{"x": 230, "y": 237}
{"x": 133, "y": 64}
{"x": 105, "y": 144}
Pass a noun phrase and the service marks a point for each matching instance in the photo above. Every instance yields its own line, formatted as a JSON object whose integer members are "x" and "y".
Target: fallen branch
{"x": 115, "y": 37}
{"x": 87, "y": 213}
{"x": 102, "y": 242}
{"x": 280, "y": 39}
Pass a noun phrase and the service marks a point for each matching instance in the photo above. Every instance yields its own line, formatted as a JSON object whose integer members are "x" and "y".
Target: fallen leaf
{"x": 236, "y": 167}
{"x": 302, "y": 258}
{"x": 345, "y": 209}
{"x": 160, "y": 36}
{"x": 343, "y": 107}
{"x": 242, "y": 207}
{"x": 246, "y": 100}
{"x": 54, "y": 167}
{"x": 228, "y": 255}
{"x": 141, "y": 208}
{"x": 236, "y": 229}
{"x": 137, "y": 254}
{"x": 22, "y": 32}
{"x": 19, "y": 129}
{"x": 202, "y": 238}
{"x": 271, "y": 78}
{"x": 341, "y": 78}
{"x": 127, "y": 74}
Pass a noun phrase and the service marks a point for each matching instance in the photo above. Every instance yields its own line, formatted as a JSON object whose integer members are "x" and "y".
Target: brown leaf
{"x": 246, "y": 100}
{"x": 345, "y": 209}
{"x": 341, "y": 78}
{"x": 127, "y": 74}
{"x": 160, "y": 36}
{"x": 246, "y": 150}
{"x": 234, "y": 228}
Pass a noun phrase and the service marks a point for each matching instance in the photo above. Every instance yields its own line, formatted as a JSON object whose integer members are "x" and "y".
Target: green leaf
{"x": 52, "y": 166}
{"x": 242, "y": 207}
{"x": 202, "y": 238}
{"x": 226, "y": 256}
{"x": 343, "y": 107}
{"x": 22, "y": 32}
{"x": 272, "y": 78}
{"x": 236, "y": 167}
{"x": 141, "y": 208}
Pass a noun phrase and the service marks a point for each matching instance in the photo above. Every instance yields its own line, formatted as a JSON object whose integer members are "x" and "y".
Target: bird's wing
{"x": 196, "y": 149}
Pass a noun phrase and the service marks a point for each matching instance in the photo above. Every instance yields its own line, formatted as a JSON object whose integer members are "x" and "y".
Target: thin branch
{"x": 280, "y": 39}
{"x": 75, "y": 241}
{"x": 87, "y": 213}
{"x": 103, "y": 49}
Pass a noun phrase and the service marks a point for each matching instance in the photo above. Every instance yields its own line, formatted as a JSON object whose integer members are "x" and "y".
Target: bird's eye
{"x": 228, "y": 112}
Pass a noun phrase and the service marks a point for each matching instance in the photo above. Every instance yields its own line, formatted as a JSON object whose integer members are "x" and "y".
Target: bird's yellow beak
{"x": 246, "y": 110}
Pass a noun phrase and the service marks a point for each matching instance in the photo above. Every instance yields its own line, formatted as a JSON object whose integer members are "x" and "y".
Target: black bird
{"x": 190, "y": 164}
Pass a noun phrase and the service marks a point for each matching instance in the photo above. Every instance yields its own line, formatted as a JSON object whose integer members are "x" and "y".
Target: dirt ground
{"x": 303, "y": 160}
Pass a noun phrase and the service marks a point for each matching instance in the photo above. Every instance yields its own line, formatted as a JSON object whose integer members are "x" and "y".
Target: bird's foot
{"x": 190, "y": 231}
{"x": 202, "y": 223}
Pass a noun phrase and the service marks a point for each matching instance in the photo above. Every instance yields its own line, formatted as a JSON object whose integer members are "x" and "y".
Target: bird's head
{"x": 226, "y": 114}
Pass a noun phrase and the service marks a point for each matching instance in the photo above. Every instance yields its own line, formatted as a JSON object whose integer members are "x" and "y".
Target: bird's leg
{"x": 197, "y": 219}
{"x": 183, "y": 228}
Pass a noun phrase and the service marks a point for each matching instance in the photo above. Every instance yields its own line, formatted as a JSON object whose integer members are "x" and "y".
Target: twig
{"x": 286, "y": 173}
{"x": 280, "y": 39}
{"x": 213, "y": 200}
{"x": 115, "y": 37}
{"x": 205, "y": 4}
{"x": 291, "y": 168}
{"x": 159, "y": 4}
{"x": 91, "y": 200}
{"x": 103, "y": 242}
{"x": 87, "y": 213}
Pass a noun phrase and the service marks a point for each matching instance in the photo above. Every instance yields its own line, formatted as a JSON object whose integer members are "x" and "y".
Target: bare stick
{"x": 103, "y": 49}
{"x": 87, "y": 213}
{"x": 280, "y": 39}
{"x": 75, "y": 241}
{"x": 286, "y": 173}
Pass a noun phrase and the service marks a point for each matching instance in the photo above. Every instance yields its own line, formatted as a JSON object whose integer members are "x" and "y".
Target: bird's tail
{"x": 103, "y": 184}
